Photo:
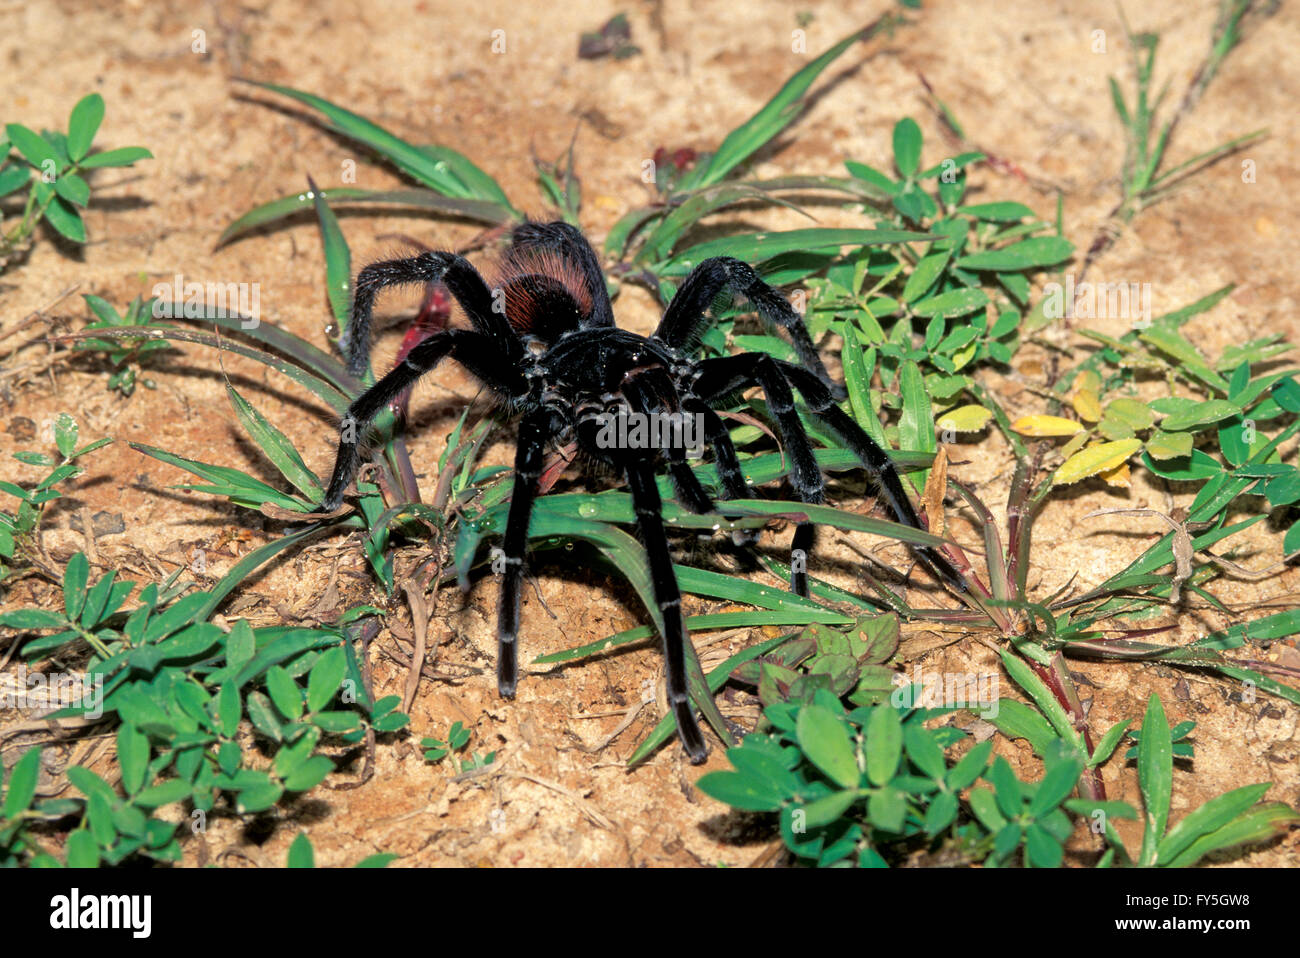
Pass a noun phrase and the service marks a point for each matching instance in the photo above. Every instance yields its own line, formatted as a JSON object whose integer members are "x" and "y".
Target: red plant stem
{"x": 1057, "y": 679}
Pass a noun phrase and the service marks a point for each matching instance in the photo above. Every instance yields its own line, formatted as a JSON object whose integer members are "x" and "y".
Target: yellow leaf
{"x": 1046, "y": 426}
{"x": 1117, "y": 476}
{"x": 965, "y": 354}
{"x": 1103, "y": 457}
{"x": 1086, "y": 404}
{"x": 1076, "y": 443}
{"x": 970, "y": 418}
{"x": 1088, "y": 379}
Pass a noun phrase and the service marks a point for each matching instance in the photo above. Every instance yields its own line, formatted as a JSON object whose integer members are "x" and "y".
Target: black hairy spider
{"x": 544, "y": 342}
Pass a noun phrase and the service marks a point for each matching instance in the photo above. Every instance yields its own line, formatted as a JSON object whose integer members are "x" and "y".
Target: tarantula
{"x": 545, "y": 344}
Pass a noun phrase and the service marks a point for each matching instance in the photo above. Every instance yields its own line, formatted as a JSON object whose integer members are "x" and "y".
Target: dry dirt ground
{"x": 1022, "y": 76}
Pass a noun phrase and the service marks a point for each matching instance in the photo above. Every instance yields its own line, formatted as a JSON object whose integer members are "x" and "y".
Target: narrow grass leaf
{"x": 338, "y": 259}
{"x": 276, "y": 446}
{"x": 480, "y": 211}
{"x": 1259, "y": 825}
{"x": 1155, "y": 775}
{"x": 771, "y": 119}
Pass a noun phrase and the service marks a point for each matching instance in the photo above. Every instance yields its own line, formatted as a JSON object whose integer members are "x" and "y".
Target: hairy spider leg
{"x": 475, "y": 351}
{"x": 537, "y": 427}
{"x": 652, "y": 391}
{"x": 881, "y": 469}
{"x": 685, "y": 317}
{"x": 729, "y": 374}
{"x": 649, "y": 391}
{"x": 718, "y": 439}
{"x": 455, "y": 272}
{"x": 650, "y": 523}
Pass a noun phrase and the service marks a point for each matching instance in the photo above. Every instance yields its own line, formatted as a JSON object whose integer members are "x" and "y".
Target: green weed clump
{"x": 51, "y": 166}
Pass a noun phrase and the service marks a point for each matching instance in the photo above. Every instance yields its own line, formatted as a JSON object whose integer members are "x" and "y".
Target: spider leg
{"x": 649, "y": 518}
{"x": 475, "y": 351}
{"x": 454, "y": 272}
{"x": 724, "y": 452}
{"x": 880, "y": 467}
{"x": 652, "y": 392}
{"x": 684, "y": 319}
{"x": 534, "y": 431}
{"x": 722, "y": 376}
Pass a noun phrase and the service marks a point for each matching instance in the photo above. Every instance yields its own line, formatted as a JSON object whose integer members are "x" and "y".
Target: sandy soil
{"x": 1021, "y": 76}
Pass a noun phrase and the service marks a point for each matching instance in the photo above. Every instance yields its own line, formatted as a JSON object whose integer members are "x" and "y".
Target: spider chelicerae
{"x": 544, "y": 342}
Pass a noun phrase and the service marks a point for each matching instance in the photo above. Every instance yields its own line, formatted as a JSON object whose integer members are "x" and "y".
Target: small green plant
{"x": 179, "y": 689}
{"x": 875, "y": 786}
{"x": 50, "y": 165}
{"x": 125, "y": 354}
{"x": 845, "y": 662}
{"x": 1230, "y": 820}
{"x": 435, "y": 750}
{"x": 19, "y": 531}
{"x": 865, "y": 786}
{"x": 19, "y": 813}
{"x": 1144, "y": 180}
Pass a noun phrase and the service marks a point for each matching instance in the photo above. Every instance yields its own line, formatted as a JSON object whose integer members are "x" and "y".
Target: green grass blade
{"x": 1036, "y": 689}
{"x": 276, "y": 447}
{"x": 480, "y": 211}
{"x": 246, "y": 566}
{"x": 668, "y": 231}
{"x": 1210, "y": 817}
{"x": 1162, "y": 553}
{"x": 1260, "y": 681}
{"x": 1155, "y": 776}
{"x": 716, "y": 679}
{"x": 759, "y": 247}
{"x": 852, "y": 186}
{"x": 1188, "y": 167}
{"x": 481, "y": 185}
{"x": 433, "y": 172}
{"x": 310, "y": 357}
{"x": 778, "y": 113}
{"x": 629, "y": 226}
{"x": 327, "y": 392}
{"x": 616, "y": 507}
{"x": 1258, "y": 825}
{"x": 338, "y": 260}
{"x": 236, "y": 485}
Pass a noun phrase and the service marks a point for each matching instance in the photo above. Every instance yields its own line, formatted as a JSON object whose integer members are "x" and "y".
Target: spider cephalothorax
{"x": 544, "y": 343}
